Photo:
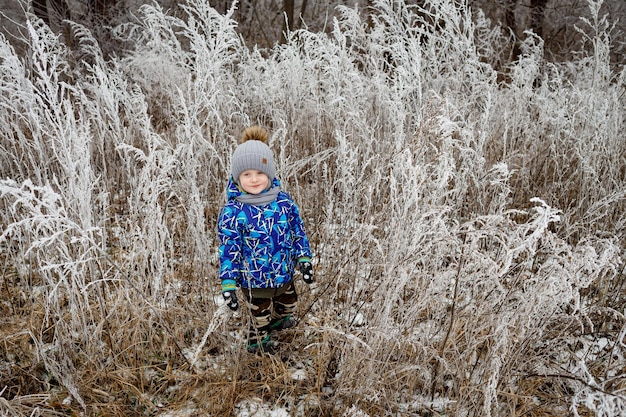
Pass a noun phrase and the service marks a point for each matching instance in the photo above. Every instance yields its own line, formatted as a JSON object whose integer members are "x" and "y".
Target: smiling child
{"x": 262, "y": 241}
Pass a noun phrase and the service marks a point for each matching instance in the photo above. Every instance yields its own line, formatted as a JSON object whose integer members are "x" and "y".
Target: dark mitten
{"x": 231, "y": 300}
{"x": 307, "y": 271}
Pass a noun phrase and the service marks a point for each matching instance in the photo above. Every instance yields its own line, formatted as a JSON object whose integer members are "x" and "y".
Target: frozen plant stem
{"x": 162, "y": 321}
{"x": 452, "y": 319}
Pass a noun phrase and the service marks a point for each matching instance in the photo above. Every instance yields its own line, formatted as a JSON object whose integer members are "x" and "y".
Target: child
{"x": 262, "y": 241}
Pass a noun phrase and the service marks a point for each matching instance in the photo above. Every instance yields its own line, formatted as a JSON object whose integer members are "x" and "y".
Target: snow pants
{"x": 268, "y": 307}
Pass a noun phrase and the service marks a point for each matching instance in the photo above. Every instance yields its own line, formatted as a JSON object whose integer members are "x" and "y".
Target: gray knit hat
{"x": 252, "y": 154}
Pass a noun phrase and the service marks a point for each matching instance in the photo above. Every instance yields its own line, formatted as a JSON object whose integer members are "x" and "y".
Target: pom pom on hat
{"x": 253, "y": 153}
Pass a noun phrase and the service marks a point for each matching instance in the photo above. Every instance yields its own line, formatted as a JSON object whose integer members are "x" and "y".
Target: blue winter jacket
{"x": 260, "y": 245}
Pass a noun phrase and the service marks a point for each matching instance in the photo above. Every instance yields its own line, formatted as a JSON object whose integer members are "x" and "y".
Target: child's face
{"x": 253, "y": 181}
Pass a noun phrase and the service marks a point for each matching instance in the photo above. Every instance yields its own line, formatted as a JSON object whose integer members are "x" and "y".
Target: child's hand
{"x": 231, "y": 300}
{"x": 307, "y": 271}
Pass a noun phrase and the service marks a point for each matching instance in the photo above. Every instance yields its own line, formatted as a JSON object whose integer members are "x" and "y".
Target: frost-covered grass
{"x": 468, "y": 225}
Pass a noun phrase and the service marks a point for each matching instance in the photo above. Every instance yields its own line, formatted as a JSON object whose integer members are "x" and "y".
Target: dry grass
{"x": 468, "y": 234}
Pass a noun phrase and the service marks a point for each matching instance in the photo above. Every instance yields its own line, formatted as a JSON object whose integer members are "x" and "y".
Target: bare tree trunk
{"x": 53, "y": 13}
{"x": 509, "y": 14}
{"x": 511, "y": 24}
{"x": 40, "y": 8}
{"x": 302, "y": 12}
{"x": 537, "y": 11}
{"x": 288, "y": 9}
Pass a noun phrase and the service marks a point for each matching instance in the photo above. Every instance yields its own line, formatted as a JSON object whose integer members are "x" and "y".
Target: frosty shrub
{"x": 466, "y": 213}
